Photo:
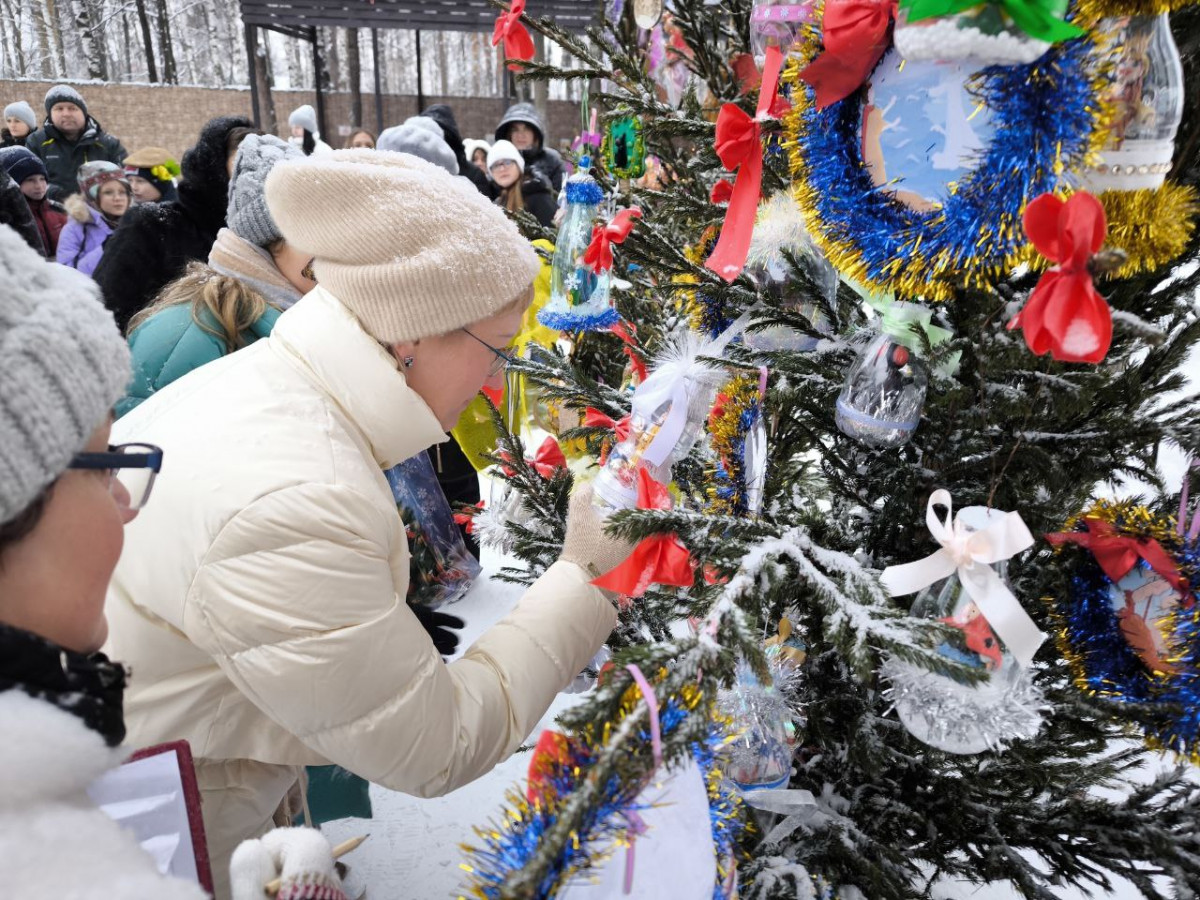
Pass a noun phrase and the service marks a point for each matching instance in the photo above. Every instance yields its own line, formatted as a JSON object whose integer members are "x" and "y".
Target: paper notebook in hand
{"x": 154, "y": 795}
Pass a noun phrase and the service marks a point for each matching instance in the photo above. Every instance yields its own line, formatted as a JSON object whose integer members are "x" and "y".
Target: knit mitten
{"x": 587, "y": 545}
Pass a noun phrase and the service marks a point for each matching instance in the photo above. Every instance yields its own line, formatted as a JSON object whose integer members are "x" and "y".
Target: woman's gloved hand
{"x": 439, "y": 626}
{"x": 586, "y": 544}
{"x": 300, "y": 858}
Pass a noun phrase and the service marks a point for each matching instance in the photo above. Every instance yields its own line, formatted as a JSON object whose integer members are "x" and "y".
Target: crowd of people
{"x": 205, "y": 369}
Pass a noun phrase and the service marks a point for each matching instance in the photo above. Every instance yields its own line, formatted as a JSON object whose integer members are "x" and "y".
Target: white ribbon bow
{"x": 971, "y": 553}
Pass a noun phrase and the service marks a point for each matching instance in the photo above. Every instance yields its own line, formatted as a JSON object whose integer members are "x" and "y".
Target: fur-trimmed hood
{"x": 79, "y": 210}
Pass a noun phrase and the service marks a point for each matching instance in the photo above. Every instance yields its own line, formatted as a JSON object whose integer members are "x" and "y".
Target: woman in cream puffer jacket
{"x": 260, "y": 601}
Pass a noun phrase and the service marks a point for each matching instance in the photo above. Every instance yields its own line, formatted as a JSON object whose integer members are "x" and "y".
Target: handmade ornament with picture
{"x": 778, "y": 23}
{"x": 988, "y": 632}
{"x": 668, "y": 413}
{"x": 1129, "y": 624}
{"x": 580, "y": 298}
{"x": 779, "y": 232}
{"x": 883, "y": 396}
{"x": 1150, "y": 217}
{"x": 930, "y": 163}
{"x": 986, "y": 32}
{"x": 624, "y": 148}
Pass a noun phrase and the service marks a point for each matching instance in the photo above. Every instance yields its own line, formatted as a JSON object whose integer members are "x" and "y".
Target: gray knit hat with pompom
{"x": 247, "y": 215}
{"x": 63, "y": 364}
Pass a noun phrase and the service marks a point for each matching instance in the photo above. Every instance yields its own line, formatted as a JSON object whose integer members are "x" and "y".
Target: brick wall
{"x": 171, "y": 117}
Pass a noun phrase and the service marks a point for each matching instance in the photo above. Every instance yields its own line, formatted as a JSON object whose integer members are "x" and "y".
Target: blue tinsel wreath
{"x": 1044, "y": 114}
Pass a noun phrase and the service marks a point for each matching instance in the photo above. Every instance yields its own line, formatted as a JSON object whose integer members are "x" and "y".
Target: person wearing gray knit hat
{"x": 19, "y": 122}
{"x": 306, "y": 132}
{"x": 247, "y": 215}
{"x": 421, "y": 137}
{"x": 274, "y": 571}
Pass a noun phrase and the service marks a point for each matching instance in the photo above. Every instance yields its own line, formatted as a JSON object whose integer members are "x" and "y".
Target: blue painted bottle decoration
{"x": 580, "y": 298}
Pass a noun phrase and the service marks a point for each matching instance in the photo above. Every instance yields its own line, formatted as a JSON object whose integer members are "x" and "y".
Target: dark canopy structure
{"x": 300, "y": 19}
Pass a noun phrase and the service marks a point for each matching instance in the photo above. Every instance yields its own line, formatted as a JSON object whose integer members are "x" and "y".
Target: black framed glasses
{"x": 502, "y": 359}
{"x": 134, "y": 466}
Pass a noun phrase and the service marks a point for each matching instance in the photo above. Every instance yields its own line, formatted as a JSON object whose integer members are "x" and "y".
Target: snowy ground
{"x": 413, "y": 853}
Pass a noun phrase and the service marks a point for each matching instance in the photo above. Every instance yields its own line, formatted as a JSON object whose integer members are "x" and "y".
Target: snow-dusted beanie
{"x": 410, "y": 249}
{"x": 247, "y": 215}
{"x": 63, "y": 364}
{"x": 422, "y": 137}
{"x": 23, "y": 111}
{"x": 93, "y": 174}
{"x": 21, "y": 162}
{"x": 505, "y": 150}
{"x": 303, "y": 117}
{"x": 64, "y": 93}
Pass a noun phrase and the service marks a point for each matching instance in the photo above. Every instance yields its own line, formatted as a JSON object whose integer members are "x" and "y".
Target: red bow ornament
{"x": 1065, "y": 315}
{"x": 598, "y": 256}
{"x": 658, "y": 559}
{"x": 1117, "y": 553}
{"x": 739, "y": 145}
{"x": 721, "y": 192}
{"x": 856, "y": 34}
{"x": 517, "y": 42}
{"x": 593, "y": 418}
{"x": 545, "y": 462}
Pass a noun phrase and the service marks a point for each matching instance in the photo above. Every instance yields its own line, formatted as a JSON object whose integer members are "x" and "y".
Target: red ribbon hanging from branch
{"x": 658, "y": 559}
{"x": 546, "y": 461}
{"x": 598, "y": 256}
{"x": 739, "y": 145}
{"x": 466, "y": 520}
{"x": 517, "y": 42}
{"x": 1065, "y": 315}
{"x": 1117, "y": 553}
{"x": 625, "y": 331}
{"x": 856, "y": 35}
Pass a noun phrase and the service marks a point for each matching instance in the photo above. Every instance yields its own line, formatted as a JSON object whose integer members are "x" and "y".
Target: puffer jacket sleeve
{"x": 298, "y": 603}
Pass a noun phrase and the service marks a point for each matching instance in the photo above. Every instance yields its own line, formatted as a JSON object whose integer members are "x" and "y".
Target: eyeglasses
{"x": 133, "y": 465}
{"x": 502, "y": 359}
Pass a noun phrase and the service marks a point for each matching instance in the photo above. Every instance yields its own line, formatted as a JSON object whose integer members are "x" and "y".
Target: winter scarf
{"x": 89, "y": 687}
{"x": 253, "y": 266}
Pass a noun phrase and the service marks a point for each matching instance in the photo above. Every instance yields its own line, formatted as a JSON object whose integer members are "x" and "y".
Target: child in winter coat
{"x": 29, "y": 172}
{"x": 506, "y": 167}
{"x": 95, "y": 212}
{"x": 152, "y": 173}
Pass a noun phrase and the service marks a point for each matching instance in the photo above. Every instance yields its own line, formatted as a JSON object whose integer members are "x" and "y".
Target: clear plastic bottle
{"x": 1146, "y": 94}
{"x": 880, "y": 404}
{"x": 777, "y": 23}
{"x": 579, "y": 298}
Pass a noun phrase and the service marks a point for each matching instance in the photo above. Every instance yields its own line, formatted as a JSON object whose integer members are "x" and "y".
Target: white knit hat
{"x": 410, "y": 249}
{"x": 502, "y": 150}
{"x": 304, "y": 117}
{"x": 63, "y": 364}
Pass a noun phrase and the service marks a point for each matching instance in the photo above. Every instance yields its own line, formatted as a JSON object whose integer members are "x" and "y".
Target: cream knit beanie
{"x": 410, "y": 249}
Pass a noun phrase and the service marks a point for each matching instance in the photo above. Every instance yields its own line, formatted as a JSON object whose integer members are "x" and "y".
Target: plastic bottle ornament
{"x": 1146, "y": 94}
{"x": 953, "y": 715}
{"x": 759, "y": 755}
{"x": 984, "y": 34}
{"x": 880, "y": 404}
{"x": 646, "y": 13}
{"x": 777, "y": 23}
{"x": 579, "y": 298}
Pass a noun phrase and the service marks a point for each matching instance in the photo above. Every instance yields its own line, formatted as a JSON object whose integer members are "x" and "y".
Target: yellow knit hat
{"x": 410, "y": 249}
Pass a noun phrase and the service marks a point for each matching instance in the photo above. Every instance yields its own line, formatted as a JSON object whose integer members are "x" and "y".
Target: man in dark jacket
{"x": 69, "y": 138}
{"x": 523, "y": 126}
{"x": 444, "y": 116}
{"x": 14, "y": 213}
{"x": 156, "y": 241}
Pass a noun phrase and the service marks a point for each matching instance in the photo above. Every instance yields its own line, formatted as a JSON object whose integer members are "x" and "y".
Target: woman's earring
{"x": 408, "y": 362}
{"x": 307, "y": 271}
